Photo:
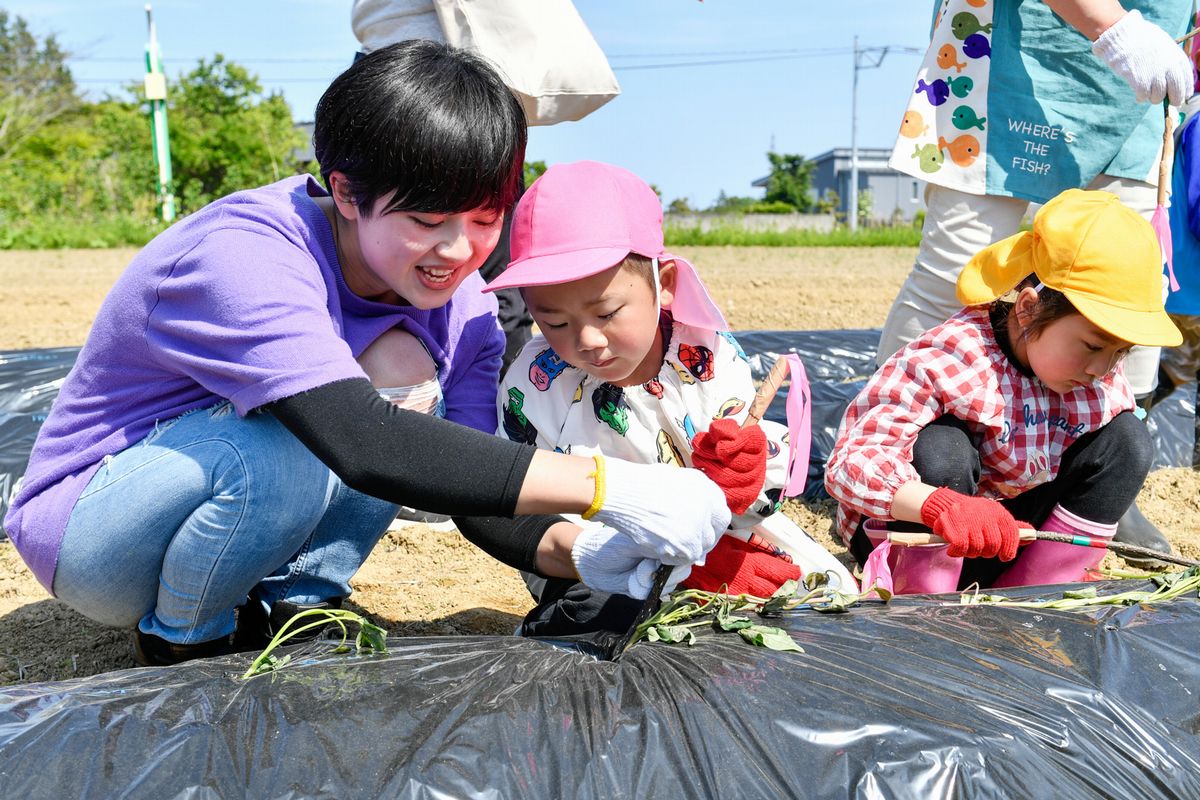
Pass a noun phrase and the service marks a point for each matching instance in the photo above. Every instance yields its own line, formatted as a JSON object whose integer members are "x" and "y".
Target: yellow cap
{"x": 1102, "y": 255}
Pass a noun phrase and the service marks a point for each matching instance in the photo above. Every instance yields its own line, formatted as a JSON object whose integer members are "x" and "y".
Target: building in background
{"x": 894, "y": 197}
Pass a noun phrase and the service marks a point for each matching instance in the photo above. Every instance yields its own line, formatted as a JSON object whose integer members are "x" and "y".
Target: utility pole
{"x": 156, "y": 95}
{"x": 866, "y": 58}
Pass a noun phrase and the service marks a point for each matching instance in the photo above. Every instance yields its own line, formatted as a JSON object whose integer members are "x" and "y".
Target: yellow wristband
{"x": 598, "y": 497}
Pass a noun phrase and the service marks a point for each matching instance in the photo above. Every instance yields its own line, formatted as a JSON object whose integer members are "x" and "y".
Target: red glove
{"x": 733, "y": 458}
{"x": 975, "y": 527}
{"x": 745, "y": 568}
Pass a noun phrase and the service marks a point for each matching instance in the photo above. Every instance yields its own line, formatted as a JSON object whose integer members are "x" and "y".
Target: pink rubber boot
{"x": 919, "y": 569}
{"x": 1055, "y": 562}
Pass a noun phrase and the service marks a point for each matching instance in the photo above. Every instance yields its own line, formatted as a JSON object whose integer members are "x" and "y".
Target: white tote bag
{"x": 541, "y": 47}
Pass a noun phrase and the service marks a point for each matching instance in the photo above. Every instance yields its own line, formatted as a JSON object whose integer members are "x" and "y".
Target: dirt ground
{"x": 425, "y": 582}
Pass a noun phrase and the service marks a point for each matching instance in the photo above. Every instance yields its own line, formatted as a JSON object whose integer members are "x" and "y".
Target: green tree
{"x": 533, "y": 171}
{"x": 866, "y": 205}
{"x": 35, "y": 85}
{"x": 679, "y": 205}
{"x": 829, "y": 203}
{"x": 790, "y": 181}
{"x": 724, "y": 204}
{"x": 225, "y": 134}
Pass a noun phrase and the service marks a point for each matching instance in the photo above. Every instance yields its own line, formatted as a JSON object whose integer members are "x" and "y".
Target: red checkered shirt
{"x": 1022, "y": 427}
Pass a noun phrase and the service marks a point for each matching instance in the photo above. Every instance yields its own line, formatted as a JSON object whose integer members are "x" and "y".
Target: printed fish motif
{"x": 937, "y": 92}
{"x": 964, "y": 118}
{"x": 930, "y": 158}
{"x": 977, "y": 46}
{"x": 963, "y": 149}
{"x": 947, "y": 57}
{"x": 977, "y": 3}
{"x": 964, "y": 24}
{"x": 961, "y": 86}
{"x": 913, "y": 125}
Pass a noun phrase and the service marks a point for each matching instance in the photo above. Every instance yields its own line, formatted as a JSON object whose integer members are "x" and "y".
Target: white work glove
{"x": 610, "y": 561}
{"x": 674, "y": 515}
{"x": 1147, "y": 58}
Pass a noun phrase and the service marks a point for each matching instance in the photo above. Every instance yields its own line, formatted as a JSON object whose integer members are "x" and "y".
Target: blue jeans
{"x": 174, "y": 532}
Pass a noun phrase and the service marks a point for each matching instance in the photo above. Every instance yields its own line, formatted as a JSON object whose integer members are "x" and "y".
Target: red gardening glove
{"x": 733, "y": 458}
{"x": 975, "y": 527}
{"x": 745, "y": 568}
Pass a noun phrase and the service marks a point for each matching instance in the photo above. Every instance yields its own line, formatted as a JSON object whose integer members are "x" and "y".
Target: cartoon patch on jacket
{"x": 654, "y": 387}
{"x": 545, "y": 368}
{"x": 730, "y": 408}
{"x": 611, "y": 407}
{"x": 668, "y": 452}
{"x": 517, "y": 426}
{"x": 698, "y": 359}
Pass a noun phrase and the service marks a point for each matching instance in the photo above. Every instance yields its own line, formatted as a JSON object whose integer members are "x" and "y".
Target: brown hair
{"x": 1051, "y": 305}
{"x": 641, "y": 266}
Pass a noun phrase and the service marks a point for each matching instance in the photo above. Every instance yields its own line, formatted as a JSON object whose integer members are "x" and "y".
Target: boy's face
{"x": 413, "y": 257}
{"x": 606, "y": 324}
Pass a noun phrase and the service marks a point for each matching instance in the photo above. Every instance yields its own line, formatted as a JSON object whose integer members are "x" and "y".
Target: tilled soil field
{"x": 425, "y": 582}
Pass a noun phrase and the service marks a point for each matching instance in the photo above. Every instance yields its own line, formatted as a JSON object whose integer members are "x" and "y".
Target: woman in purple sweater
{"x": 263, "y": 386}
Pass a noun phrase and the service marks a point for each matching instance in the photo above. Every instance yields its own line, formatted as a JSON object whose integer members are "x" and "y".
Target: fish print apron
{"x": 1009, "y": 101}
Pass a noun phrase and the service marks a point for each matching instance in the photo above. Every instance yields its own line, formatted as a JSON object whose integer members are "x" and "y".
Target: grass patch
{"x": 50, "y": 234}
{"x": 736, "y": 236}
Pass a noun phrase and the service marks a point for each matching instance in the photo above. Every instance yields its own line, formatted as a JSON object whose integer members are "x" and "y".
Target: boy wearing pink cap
{"x": 634, "y": 361}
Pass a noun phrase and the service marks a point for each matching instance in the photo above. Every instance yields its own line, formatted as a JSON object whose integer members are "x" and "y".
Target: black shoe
{"x": 154, "y": 651}
{"x": 255, "y": 629}
{"x": 1133, "y": 528}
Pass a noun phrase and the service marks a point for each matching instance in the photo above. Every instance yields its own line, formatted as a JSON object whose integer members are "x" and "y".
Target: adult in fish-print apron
{"x": 1016, "y": 101}
{"x": 1012, "y": 105}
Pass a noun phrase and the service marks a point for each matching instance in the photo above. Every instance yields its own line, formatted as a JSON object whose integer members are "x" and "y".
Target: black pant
{"x": 569, "y": 608}
{"x": 1099, "y": 478}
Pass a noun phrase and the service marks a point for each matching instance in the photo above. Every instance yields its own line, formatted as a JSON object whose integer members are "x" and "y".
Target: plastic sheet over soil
{"x": 917, "y": 699}
{"x": 838, "y": 363}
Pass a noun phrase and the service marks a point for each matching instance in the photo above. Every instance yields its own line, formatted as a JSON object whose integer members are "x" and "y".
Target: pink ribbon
{"x": 799, "y": 419}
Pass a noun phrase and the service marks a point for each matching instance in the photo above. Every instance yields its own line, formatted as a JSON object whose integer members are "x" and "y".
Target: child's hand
{"x": 975, "y": 527}
{"x": 734, "y": 458}
{"x": 746, "y": 569}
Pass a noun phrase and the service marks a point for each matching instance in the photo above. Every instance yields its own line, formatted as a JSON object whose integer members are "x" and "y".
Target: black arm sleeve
{"x": 512, "y": 541}
{"x": 403, "y": 456}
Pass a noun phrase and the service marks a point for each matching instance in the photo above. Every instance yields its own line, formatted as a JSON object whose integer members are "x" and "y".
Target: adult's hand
{"x": 1147, "y": 58}
{"x": 735, "y": 458}
{"x": 673, "y": 515}
{"x": 610, "y": 561}
{"x": 975, "y": 527}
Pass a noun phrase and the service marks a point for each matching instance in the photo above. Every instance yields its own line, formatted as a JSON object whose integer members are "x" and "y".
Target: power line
{"x": 753, "y": 57}
{"x": 689, "y": 54}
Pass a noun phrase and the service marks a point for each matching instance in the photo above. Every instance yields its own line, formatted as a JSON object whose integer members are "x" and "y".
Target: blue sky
{"x": 691, "y": 130}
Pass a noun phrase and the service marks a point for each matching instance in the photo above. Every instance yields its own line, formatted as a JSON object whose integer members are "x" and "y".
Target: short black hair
{"x": 433, "y": 123}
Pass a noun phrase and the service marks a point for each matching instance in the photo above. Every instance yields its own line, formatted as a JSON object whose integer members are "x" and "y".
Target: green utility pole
{"x": 156, "y": 94}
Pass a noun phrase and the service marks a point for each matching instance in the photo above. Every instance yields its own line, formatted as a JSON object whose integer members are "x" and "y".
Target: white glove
{"x": 1147, "y": 58}
{"x": 611, "y": 562}
{"x": 674, "y": 515}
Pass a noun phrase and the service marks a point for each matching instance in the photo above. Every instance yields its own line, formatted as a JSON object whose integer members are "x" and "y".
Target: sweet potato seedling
{"x": 371, "y": 638}
{"x": 691, "y": 608}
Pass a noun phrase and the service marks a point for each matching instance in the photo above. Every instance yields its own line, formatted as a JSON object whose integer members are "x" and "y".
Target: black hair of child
{"x": 434, "y": 123}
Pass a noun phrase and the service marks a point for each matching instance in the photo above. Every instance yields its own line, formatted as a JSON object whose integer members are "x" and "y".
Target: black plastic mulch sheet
{"x": 917, "y": 699}
{"x": 838, "y": 364}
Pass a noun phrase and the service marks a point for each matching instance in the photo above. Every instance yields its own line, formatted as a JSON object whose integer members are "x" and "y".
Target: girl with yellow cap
{"x": 1016, "y": 408}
